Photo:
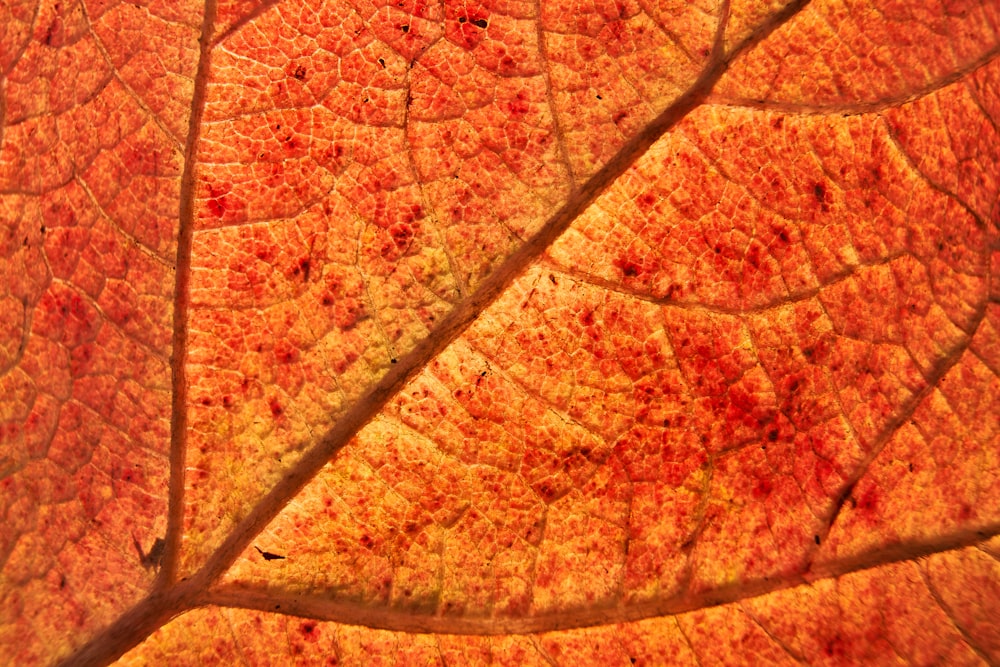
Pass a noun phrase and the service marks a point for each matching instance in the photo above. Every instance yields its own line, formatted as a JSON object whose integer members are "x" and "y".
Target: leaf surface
{"x": 575, "y": 332}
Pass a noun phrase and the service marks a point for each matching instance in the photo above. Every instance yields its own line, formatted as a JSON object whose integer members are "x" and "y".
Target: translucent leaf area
{"x": 487, "y": 332}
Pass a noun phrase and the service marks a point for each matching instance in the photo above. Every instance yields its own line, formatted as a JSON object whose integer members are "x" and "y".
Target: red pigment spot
{"x": 819, "y": 191}
{"x": 51, "y": 31}
{"x": 518, "y": 106}
{"x": 964, "y": 512}
{"x": 227, "y": 401}
{"x": 646, "y": 202}
{"x": 629, "y": 268}
{"x": 303, "y": 267}
{"x": 276, "y": 408}
{"x": 868, "y": 502}
{"x": 401, "y": 234}
{"x": 347, "y": 313}
{"x": 309, "y": 631}
{"x": 80, "y": 359}
{"x": 587, "y": 318}
{"x": 617, "y": 31}
{"x": 762, "y": 489}
{"x": 264, "y": 253}
{"x": 547, "y": 492}
{"x": 285, "y": 352}
{"x": 217, "y": 202}
{"x": 140, "y": 159}
{"x": 835, "y": 647}
{"x": 467, "y": 30}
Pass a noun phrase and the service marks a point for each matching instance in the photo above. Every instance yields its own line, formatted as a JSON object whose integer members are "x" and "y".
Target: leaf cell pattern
{"x": 606, "y": 332}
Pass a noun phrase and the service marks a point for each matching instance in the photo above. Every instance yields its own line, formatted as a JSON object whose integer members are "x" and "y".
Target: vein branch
{"x": 468, "y": 309}
{"x": 179, "y": 342}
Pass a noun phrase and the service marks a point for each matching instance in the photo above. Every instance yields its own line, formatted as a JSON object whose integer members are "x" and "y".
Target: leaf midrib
{"x": 169, "y": 597}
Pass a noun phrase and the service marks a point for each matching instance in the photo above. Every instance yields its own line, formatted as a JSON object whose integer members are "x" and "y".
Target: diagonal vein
{"x": 467, "y": 310}
{"x": 170, "y": 598}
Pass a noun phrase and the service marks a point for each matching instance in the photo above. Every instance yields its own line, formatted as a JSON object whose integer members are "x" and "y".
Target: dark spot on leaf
{"x": 762, "y": 489}
{"x": 819, "y": 192}
{"x": 868, "y": 501}
{"x": 267, "y": 555}
{"x": 276, "y": 409}
{"x": 480, "y": 23}
{"x": 629, "y": 268}
{"x": 404, "y": 28}
{"x": 300, "y": 73}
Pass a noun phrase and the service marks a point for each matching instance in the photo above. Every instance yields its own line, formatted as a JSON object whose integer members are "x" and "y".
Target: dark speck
{"x": 267, "y": 555}
{"x": 404, "y": 28}
{"x": 480, "y": 23}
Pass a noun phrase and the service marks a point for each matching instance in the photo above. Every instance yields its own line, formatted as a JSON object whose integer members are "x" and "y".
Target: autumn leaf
{"x": 469, "y": 333}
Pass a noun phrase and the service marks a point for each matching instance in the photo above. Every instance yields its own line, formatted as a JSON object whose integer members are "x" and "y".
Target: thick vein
{"x": 324, "y": 608}
{"x": 466, "y": 311}
{"x": 170, "y": 599}
{"x": 182, "y": 296}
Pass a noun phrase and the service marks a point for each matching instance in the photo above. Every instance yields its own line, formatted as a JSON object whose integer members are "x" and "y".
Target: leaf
{"x": 611, "y": 333}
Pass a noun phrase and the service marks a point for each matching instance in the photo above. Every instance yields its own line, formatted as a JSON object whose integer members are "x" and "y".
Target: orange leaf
{"x": 575, "y": 333}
